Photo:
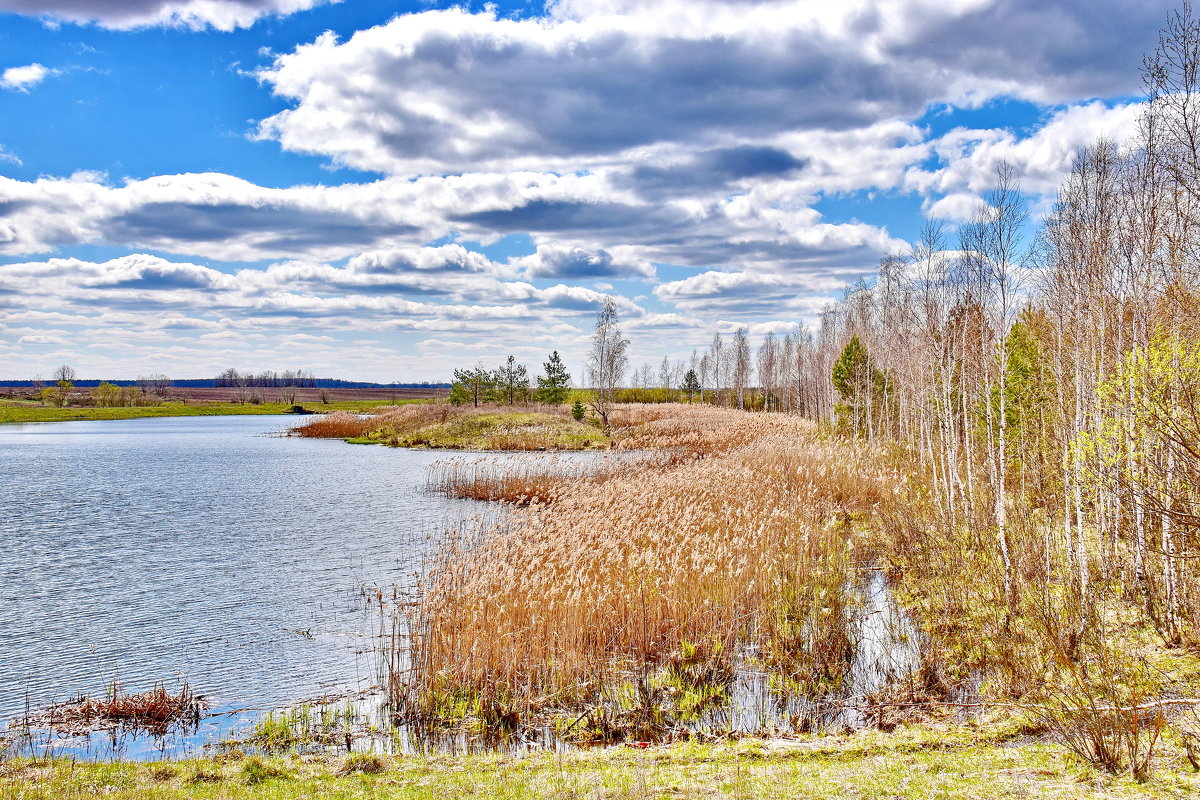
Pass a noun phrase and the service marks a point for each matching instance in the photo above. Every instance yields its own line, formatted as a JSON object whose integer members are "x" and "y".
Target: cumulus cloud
{"x": 189, "y": 314}
{"x": 21, "y": 79}
{"x": 967, "y": 159}
{"x": 625, "y": 140}
{"x": 375, "y": 287}
{"x": 577, "y": 263}
{"x": 594, "y": 83}
{"x": 750, "y": 293}
{"x": 224, "y": 15}
{"x": 587, "y": 225}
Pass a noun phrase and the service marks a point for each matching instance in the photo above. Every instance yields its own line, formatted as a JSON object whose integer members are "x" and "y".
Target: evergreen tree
{"x": 553, "y": 386}
{"x": 861, "y": 385}
{"x": 691, "y": 383}
{"x": 512, "y": 381}
{"x": 476, "y": 385}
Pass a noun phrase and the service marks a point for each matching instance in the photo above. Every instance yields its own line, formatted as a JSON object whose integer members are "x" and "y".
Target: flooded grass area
{"x": 724, "y": 585}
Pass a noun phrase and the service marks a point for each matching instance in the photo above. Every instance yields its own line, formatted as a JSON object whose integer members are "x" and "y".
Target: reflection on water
{"x": 150, "y": 550}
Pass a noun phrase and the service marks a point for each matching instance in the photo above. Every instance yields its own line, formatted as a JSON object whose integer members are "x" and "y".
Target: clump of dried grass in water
{"x": 154, "y": 711}
{"x": 610, "y": 583}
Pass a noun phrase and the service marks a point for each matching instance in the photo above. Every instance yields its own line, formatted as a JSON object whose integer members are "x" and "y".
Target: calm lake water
{"x": 206, "y": 548}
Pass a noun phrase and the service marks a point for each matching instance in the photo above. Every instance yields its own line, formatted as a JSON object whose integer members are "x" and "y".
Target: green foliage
{"x": 17, "y": 412}
{"x": 912, "y": 762}
{"x": 255, "y": 770}
{"x": 554, "y": 385}
{"x": 1028, "y": 386}
{"x": 691, "y": 383}
{"x": 511, "y": 382}
{"x": 476, "y": 385}
{"x": 107, "y": 395}
{"x": 577, "y": 411}
{"x": 862, "y": 387}
{"x": 1145, "y": 447}
{"x": 459, "y": 394}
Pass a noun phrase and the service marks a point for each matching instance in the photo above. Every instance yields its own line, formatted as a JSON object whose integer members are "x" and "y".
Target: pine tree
{"x": 512, "y": 381}
{"x": 476, "y": 385}
{"x": 553, "y": 386}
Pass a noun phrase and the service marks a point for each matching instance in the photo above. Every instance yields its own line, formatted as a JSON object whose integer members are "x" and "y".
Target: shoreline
{"x": 23, "y": 413}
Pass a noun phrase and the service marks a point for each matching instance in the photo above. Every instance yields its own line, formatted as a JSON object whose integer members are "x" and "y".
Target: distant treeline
{"x": 202, "y": 383}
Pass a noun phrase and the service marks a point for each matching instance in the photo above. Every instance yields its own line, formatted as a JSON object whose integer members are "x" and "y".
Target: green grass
{"x": 911, "y": 763}
{"x": 502, "y": 430}
{"x": 16, "y": 411}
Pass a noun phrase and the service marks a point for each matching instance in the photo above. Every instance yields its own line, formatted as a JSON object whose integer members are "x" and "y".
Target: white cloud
{"x": 224, "y": 15}
{"x": 750, "y": 293}
{"x": 595, "y": 84}
{"x": 21, "y": 79}
{"x": 584, "y": 224}
{"x": 968, "y": 158}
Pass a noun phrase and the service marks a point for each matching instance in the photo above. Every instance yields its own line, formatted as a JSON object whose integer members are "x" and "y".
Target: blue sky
{"x": 387, "y": 191}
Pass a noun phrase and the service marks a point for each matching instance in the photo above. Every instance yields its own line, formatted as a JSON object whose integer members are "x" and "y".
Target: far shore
{"x": 27, "y": 411}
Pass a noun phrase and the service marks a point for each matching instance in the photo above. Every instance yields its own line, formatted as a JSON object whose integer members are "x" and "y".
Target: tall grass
{"x": 393, "y": 419}
{"x": 338, "y": 425}
{"x": 746, "y": 537}
{"x": 525, "y": 480}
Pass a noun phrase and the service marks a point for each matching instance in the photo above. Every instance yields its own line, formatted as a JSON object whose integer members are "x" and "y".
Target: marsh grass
{"x": 525, "y": 479}
{"x": 629, "y": 598}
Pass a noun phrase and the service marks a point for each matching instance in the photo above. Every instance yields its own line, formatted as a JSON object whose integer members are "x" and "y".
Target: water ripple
{"x": 153, "y": 550}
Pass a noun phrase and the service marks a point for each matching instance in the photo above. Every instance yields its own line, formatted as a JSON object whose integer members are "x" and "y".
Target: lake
{"x": 203, "y": 548}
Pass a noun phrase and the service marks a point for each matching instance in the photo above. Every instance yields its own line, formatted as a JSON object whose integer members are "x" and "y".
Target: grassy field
{"x": 17, "y": 411}
{"x": 909, "y": 763}
{"x": 463, "y": 428}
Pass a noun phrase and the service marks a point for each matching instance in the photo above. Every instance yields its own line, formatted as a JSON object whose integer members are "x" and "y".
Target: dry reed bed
{"x": 641, "y": 571}
{"x": 154, "y": 710}
{"x": 520, "y": 481}
{"x": 345, "y": 425}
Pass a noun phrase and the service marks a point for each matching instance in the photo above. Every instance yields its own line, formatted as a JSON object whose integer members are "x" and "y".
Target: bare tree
{"x": 157, "y": 384}
{"x": 607, "y": 361}
{"x": 65, "y": 374}
{"x": 741, "y": 364}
